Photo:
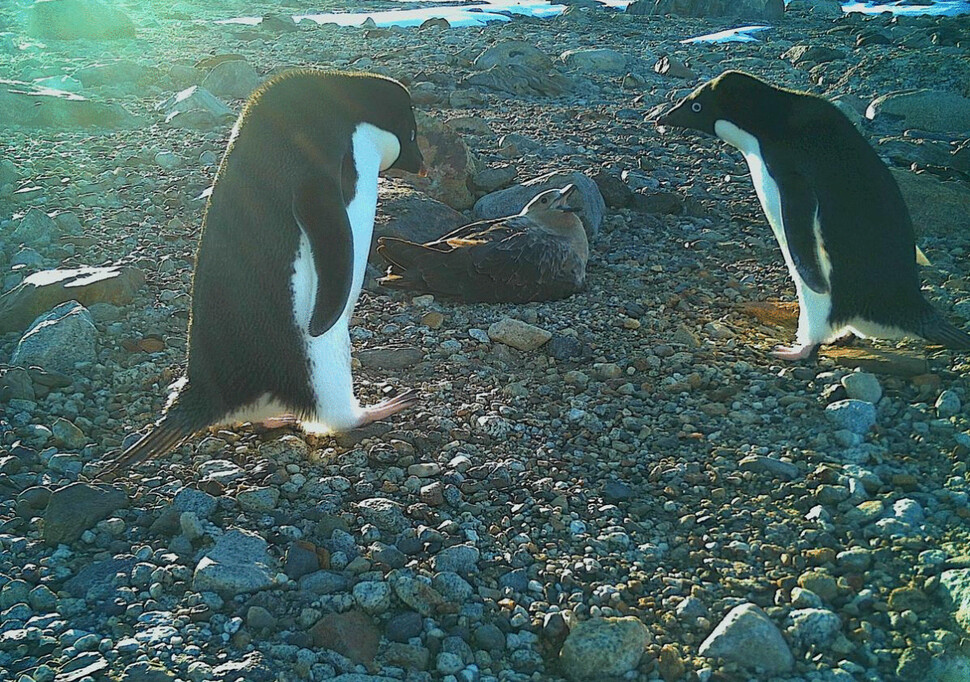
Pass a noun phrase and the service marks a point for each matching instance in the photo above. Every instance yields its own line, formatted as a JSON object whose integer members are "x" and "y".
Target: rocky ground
{"x": 645, "y": 495}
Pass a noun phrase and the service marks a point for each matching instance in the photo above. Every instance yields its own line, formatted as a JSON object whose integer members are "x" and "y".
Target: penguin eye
{"x": 696, "y": 107}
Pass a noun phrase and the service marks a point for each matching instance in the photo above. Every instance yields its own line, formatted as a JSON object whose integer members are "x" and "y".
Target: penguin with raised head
{"x": 833, "y": 206}
{"x": 538, "y": 254}
{"x": 281, "y": 260}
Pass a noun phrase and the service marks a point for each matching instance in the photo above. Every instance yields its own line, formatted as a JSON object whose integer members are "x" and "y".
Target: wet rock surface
{"x": 644, "y": 462}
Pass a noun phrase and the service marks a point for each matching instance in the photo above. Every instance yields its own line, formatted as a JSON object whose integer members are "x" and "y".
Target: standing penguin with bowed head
{"x": 833, "y": 206}
{"x": 281, "y": 261}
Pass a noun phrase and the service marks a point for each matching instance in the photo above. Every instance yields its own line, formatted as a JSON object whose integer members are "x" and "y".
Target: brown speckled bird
{"x": 538, "y": 255}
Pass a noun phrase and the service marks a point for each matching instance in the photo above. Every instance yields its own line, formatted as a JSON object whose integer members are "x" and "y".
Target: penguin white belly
{"x": 337, "y": 408}
{"x": 813, "y": 308}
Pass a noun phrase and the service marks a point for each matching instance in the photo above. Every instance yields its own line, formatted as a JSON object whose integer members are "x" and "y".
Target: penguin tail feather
{"x": 167, "y": 433}
{"x": 937, "y": 330}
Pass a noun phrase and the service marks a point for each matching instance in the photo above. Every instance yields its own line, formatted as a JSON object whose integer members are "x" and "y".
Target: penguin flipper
{"x": 799, "y": 213}
{"x": 320, "y": 213}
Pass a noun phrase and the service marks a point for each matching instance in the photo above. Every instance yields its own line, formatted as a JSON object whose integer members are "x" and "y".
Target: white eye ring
{"x": 696, "y": 107}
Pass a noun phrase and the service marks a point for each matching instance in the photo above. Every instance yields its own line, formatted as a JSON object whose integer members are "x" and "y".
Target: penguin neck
{"x": 737, "y": 137}
{"x": 382, "y": 142}
{"x": 371, "y": 148}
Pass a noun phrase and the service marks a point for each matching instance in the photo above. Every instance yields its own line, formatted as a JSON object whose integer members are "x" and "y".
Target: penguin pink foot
{"x": 279, "y": 422}
{"x": 386, "y": 408}
{"x": 795, "y": 353}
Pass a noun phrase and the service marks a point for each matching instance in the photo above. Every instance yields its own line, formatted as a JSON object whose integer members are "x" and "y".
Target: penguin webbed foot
{"x": 808, "y": 351}
{"x": 280, "y": 422}
{"x": 389, "y": 407}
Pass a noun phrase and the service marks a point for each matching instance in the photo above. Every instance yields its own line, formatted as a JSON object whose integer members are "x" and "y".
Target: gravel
{"x": 639, "y": 468}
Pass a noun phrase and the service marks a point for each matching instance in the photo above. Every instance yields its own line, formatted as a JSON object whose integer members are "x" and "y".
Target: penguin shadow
{"x": 849, "y": 351}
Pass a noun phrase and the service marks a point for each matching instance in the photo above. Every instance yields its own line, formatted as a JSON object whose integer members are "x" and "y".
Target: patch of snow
{"x": 456, "y": 15}
{"x": 948, "y": 8}
{"x": 742, "y": 34}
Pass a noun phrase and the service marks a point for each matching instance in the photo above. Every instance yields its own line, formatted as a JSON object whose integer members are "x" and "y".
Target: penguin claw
{"x": 389, "y": 407}
{"x": 795, "y": 353}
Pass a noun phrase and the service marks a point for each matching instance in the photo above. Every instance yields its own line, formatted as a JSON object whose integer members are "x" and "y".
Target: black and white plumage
{"x": 281, "y": 260}
{"x": 538, "y": 255}
{"x": 833, "y": 206}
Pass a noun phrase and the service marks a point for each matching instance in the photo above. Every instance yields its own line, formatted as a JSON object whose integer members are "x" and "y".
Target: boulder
{"x": 195, "y": 108}
{"x": 232, "y": 79}
{"x": 44, "y": 290}
{"x": 600, "y": 60}
{"x": 513, "y": 52}
{"x": 15, "y": 384}
{"x": 518, "y": 334}
{"x": 238, "y": 563}
{"x": 854, "y": 415}
{"x": 75, "y": 508}
{"x": 747, "y": 637}
{"x": 27, "y": 106}
{"x": 520, "y": 80}
{"x": 512, "y": 200}
{"x": 936, "y": 111}
{"x": 603, "y": 648}
{"x": 74, "y": 19}
{"x": 59, "y": 339}
{"x": 352, "y": 634}
{"x": 955, "y": 585}
{"x": 450, "y": 163}
{"x": 36, "y": 228}
{"x": 936, "y": 207}
{"x": 9, "y": 172}
{"x": 407, "y": 214}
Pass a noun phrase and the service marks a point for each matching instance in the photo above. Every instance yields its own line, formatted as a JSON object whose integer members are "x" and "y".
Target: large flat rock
{"x": 43, "y": 290}
{"x": 27, "y": 106}
{"x": 936, "y": 207}
{"x": 78, "y": 19}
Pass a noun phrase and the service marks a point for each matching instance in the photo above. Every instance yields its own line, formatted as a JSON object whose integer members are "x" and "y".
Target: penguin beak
{"x": 665, "y": 120}
{"x": 423, "y": 171}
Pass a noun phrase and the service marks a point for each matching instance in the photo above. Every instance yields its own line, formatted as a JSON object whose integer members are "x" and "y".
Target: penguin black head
{"x": 389, "y": 108}
{"x": 318, "y": 108}
{"x": 734, "y": 96}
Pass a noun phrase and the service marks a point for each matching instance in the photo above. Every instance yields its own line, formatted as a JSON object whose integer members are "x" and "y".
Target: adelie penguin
{"x": 281, "y": 260}
{"x": 833, "y": 206}
{"x": 539, "y": 254}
